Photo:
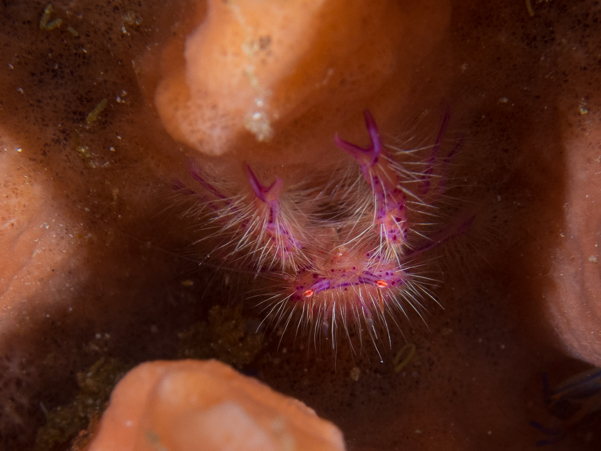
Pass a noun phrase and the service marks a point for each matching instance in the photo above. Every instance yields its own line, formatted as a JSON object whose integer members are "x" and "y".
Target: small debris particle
{"x": 129, "y": 18}
{"x": 46, "y": 16}
{"x": 408, "y": 352}
{"x": 188, "y": 283}
{"x": 44, "y": 24}
{"x": 54, "y": 24}
{"x": 530, "y": 9}
{"x": 592, "y": 259}
{"x": 73, "y": 31}
{"x": 20, "y": 90}
{"x": 19, "y": 149}
{"x": 355, "y": 373}
{"x": 84, "y": 152}
{"x": 93, "y": 116}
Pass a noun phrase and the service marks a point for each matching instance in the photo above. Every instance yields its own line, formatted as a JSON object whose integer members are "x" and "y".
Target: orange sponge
{"x": 252, "y": 67}
{"x": 192, "y": 405}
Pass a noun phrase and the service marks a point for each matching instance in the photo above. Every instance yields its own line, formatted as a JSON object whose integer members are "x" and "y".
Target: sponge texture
{"x": 252, "y": 67}
{"x": 191, "y": 405}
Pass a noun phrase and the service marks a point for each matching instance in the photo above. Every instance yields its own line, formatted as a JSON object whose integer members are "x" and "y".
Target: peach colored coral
{"x": 192, "y": 405}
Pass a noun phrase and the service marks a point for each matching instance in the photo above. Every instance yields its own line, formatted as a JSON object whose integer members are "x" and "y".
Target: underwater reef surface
{"x": 103, "y": 259}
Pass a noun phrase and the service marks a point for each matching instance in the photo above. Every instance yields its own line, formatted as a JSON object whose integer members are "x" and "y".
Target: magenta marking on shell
{"x": 390, "y": 212}
{"x": 367, "y": 158}
{"x": 285, "y": 246}
{"x": 265, "y": 194}
{"x": 343, "y": 280}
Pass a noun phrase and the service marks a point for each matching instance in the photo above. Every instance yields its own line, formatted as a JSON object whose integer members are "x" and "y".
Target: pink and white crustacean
{"x": 346, "y": 257}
